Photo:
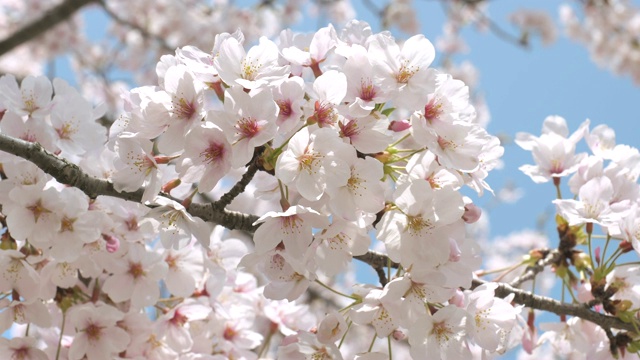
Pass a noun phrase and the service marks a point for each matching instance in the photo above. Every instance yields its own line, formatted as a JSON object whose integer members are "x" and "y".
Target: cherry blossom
{"x": 310, "y": 153}
{"x": 97, "y": 336}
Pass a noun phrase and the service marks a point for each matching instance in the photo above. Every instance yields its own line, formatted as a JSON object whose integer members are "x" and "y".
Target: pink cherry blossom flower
{"x": 329, "y": 89}
{"x": 292, "y": 227}
{"x": 252, "y": 69}
{"x": 494, "y": 317}
{"x": 309, "y": 157}
{"x": 173, "y": 326}
{"x": 206, "y": 158}
{"x": 383, "y": 316}
{"x": 32, "y": 99}
{"x": 135, "y": 166}
{"x": 331, "y": 328}
{"x": 249, "y": 121}
{"x": 338, "y": 243}
{"x": 440, "y": 335}
{"x": 33, "y": 214}
{"x": 553, "y": 151}
{"x": 76, "y": 130}
{"x": 22, "y": 348}
{"x": 592, "y": 206}
{"x": 176, "y": 226}
{"x": 97, "y": 336}
{"x": 135, "y": 277}
{"x": 406, "y": 67}
{"x": 24, "y": 312}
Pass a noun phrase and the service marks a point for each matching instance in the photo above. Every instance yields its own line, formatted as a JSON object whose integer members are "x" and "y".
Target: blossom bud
{"x": 471, "y": 213}
{"x": 163, "y": 159}
{"x": 457, "y": 299}
{"x": 581, "y": 260}
{"x": 399, "y": 125}
{"x": 383, "y": 157}
{"x": 172, "y": 184}
{"x": 626, "y": 246}
{"x": 113, "y": 244}
{"x": 398, "y": 335}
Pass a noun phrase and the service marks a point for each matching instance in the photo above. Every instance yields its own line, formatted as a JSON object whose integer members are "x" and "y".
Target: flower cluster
{"x": 357, "y": 136}
{"x": 609, "y": 29}
{"x": 604, "y": 191}
{"x": 342, "y": 141}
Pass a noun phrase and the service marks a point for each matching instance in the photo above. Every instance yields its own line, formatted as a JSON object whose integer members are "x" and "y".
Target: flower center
{"x": 213, "y": 153}
{"x": 367, "y": 90}
{"x": 247, "y": 128}
{"x": 406, "y": 72}
{"x": 136, "y": 270}
{"x": 285, "y": 107}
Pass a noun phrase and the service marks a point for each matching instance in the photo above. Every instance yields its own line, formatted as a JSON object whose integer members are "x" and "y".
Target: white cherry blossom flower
{"x": 249, "y": 121}
{"x": 97, "y": 336}
{"x": 206, "y": 158}
{"x": 135, "y": 277}
{"x": 32, "y": 99}
{"x": 252, "y": 69}
{"x": 440, "y": 335}
{"x": 22, "y": 348}
{"x": 135, "y": 166}
{"x": 592, "y": 206}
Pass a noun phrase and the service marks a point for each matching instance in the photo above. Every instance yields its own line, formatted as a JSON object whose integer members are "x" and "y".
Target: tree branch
{"x": 547, "y": 304}
{"x": 531, "y": 271}
{"x": 49, "y": 19}
{"x": 68, "y": 173}
{"x": 522, "y": 297}
{"x": 144, "y": 32}
{"x": 237, "y": 189}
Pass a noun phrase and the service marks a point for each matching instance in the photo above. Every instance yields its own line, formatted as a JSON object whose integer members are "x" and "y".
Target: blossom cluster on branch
{"x": 309, "y": 146}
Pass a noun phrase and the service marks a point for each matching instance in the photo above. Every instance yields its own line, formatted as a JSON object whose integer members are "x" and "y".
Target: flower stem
{"x": 335, "y": 291}
{"x": 64, "y": 313}
{"x": 372, "y": 342}
{"x": 345, "y": 334}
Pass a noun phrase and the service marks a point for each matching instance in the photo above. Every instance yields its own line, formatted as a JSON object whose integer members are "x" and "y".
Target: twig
{"x": 378, "y": 262}
{"x": 144, "y": 32}
{"x": 531, "y": 271}
{"x": 48, "y": 20}
{"x": 237, "y": 189}
{"x": 547, "y": 304}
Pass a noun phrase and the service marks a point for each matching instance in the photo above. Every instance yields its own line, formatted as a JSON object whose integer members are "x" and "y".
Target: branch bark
{"x": 68, "y": 173}
{"x": 552, "y": 257}
{"x": 49, "y": 19}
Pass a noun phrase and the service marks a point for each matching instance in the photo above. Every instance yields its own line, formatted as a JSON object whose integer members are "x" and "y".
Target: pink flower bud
{"x": 398, "y": 335}
{"x": 113, "y": 244}
{"x": 457, "y": 299}
{"x": 471, "y": 213}
{"x": 399, "y": 125}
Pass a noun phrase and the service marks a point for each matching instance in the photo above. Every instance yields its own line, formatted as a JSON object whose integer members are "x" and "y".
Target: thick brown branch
{"x": 377, "y": 260}
{"x": 47, "y": 21}
{"x": 70, "y": 174}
